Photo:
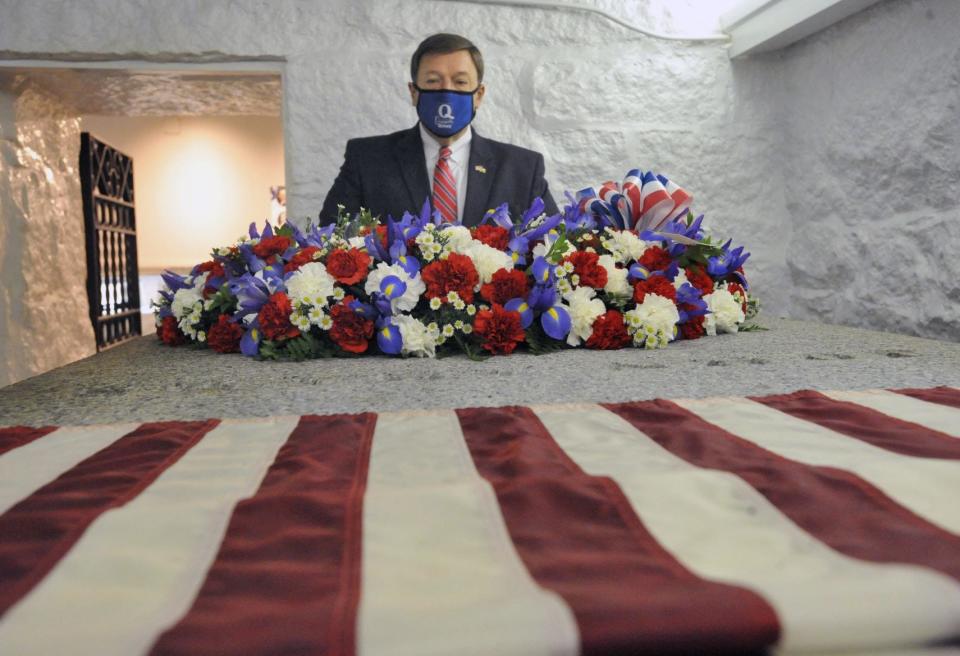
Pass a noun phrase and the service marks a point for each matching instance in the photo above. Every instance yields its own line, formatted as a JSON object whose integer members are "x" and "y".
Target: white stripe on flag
{"x": 27, "y": 468}
{"x": 440, "y": 573}
{"x": 935, "y": 416}
{"x": 723, "y": 529}
{"x": 926, "y": 486}
{"x": 138, "y": 567}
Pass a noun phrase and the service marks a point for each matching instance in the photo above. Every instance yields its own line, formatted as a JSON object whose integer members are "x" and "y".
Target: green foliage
{"x": 223, "y": 302}
{"x": 559, "y": 247}
{"x": 470, "y": 348}
{"x": 304, "y": 347}
{"x": 700, "y": 253}
{"x": 752, "y": 328}
{"x": 540, "y": 343}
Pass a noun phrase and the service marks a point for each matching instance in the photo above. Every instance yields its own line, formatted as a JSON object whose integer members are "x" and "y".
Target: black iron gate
{"x": 113, "y": 286}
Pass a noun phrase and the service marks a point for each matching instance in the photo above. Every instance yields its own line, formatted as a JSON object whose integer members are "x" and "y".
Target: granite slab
{"x": 143, "y": 380}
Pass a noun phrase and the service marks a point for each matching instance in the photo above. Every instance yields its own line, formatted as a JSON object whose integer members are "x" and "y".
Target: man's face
{"x": 453, "y": 70}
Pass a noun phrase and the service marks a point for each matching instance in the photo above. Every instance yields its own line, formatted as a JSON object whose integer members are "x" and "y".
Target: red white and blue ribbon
{"x": 643, "y": 201}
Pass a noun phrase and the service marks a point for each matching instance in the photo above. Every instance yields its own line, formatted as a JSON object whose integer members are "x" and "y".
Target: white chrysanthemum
{"x": 656, "y": 314}
{"x": 584, "y": 310}
{"x": 540, "y": 250}
{"x": 458, "y": 238}
{"x": 358, "y": 242}
{"x": 617, "y": 284}
{"x": 487, "y": 260}
{"x": 310, "y": 284}
{"x": 415, "y": 286}
{"x": 417, "y": 339}
{"x": 624, "y": 246}
{"x": 186, "y": 298}
{"x": 725, "y": 314}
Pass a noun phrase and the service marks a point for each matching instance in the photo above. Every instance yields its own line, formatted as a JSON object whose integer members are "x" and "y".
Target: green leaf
{"x": 540, "y": 343}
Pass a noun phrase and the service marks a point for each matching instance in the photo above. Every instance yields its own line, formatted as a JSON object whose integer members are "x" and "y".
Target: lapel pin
{"x": 479, "y": 168}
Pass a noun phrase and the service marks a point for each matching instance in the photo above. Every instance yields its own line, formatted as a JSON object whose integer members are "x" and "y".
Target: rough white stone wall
{"x": 753, "y": 139}
{"x": 871, "y": 116}
{"x": 44, "y": 320}
{"x": 594, "y": 98}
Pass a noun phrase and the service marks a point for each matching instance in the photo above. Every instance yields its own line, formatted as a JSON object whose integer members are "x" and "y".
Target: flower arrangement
{"x": 623, "y": 265}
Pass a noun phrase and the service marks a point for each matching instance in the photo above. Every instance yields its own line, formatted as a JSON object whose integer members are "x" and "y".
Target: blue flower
{"x": 521, "y": 306}
{"x": 389, "y": 339}
{"x": 556, "y": 322}
{"x": 250, "y": 342}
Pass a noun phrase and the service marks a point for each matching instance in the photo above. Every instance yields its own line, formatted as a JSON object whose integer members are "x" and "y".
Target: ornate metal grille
{"x": 113, "y": 286}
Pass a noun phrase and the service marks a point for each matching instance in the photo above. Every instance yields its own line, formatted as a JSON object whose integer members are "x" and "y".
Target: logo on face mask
{"x": 445, "y": 112}
{"x": 444, "y": 117}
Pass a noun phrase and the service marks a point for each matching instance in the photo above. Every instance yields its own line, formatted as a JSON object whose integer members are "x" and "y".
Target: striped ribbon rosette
{"x": 643, "y": 201}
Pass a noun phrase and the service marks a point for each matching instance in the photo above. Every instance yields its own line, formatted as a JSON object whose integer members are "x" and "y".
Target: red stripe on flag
{"x": 40, "y": 529}
{"x": 836, "y": 507}
{"x": 578, "y": 536}
{"x": 287, "y": 577}
{"x": 866, "y": 424}
{"x": 942, "y": 395}
{"x": 16, "y": 436}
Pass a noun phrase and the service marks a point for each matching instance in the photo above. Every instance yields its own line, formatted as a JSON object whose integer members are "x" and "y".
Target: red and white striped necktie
{"x": 445, "y": 187}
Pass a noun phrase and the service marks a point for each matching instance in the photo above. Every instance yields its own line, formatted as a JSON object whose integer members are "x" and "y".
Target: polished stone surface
{"x": 144, "y": 380}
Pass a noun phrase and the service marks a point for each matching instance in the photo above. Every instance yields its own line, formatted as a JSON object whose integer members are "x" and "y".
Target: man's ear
{"x": 414, "y": 94}
{"x": 478, "y": 97}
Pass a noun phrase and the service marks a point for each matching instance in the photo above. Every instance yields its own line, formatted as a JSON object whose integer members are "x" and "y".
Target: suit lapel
{"x": 480, "y": 173}
{"x": 413, "y": 167}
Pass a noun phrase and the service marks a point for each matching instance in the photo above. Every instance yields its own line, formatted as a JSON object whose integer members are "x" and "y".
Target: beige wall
{"x": 199, "y": 181}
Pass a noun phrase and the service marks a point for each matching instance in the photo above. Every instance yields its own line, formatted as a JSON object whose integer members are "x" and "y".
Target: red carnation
{"x": 270, "y": 246}
{"x": 169, "y": 333}
{"x": 499, "y": 329}
{"x": 586, "y": 265}
{"x": 698, "y": 277}
{"x": 348, "y": 267}
{"x": 303, "y": 256}
{"x": 214, "y": 267}
{"x": 692, "y": 329}
{"x": 609, "y": 332}
{"x": 275, "y": 318}
{"x": 736, "y": 288}
{"x": 654, "y": 285}
{"x": 656, "y": 258}
{"x": 224, "y": 336}
{"x": 492, "y": 235}
{"x": 505, "y": 285}
{"x": 454, "y": 274}
{"x": 351, "y": 331}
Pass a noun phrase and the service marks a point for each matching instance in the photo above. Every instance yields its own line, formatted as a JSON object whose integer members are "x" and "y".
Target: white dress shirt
{"x": 459, "y": 160}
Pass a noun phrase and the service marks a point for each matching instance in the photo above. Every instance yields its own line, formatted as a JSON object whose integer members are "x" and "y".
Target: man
{"x": 441, "y": 158}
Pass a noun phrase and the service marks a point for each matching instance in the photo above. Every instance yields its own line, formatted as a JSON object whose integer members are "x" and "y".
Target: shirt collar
{"x": 457, "y": 149}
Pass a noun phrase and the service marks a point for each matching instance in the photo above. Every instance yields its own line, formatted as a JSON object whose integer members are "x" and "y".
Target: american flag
{"x": 805, "y": 522}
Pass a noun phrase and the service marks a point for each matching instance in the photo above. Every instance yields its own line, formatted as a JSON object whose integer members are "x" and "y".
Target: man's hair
{"x": 442, "y": 44}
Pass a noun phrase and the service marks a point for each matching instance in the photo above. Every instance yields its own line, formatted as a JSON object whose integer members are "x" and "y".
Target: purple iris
{"x": 389, "y": 339}
{"x": 251, "y": 292}
{"x": 521, "y": 306}
{"x": 556, "y": 322}
{"x": 250, "y": 342}
{"x": 689, "y": 296}
{"x": 726, "y": 264}
{"x": 173, "y": 281}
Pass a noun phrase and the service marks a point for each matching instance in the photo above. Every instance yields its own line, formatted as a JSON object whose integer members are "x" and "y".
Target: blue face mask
{"x": 444, "y": 112}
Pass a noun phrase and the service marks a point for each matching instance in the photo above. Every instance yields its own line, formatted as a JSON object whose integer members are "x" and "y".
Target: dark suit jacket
{"x": 388, "y": 175}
